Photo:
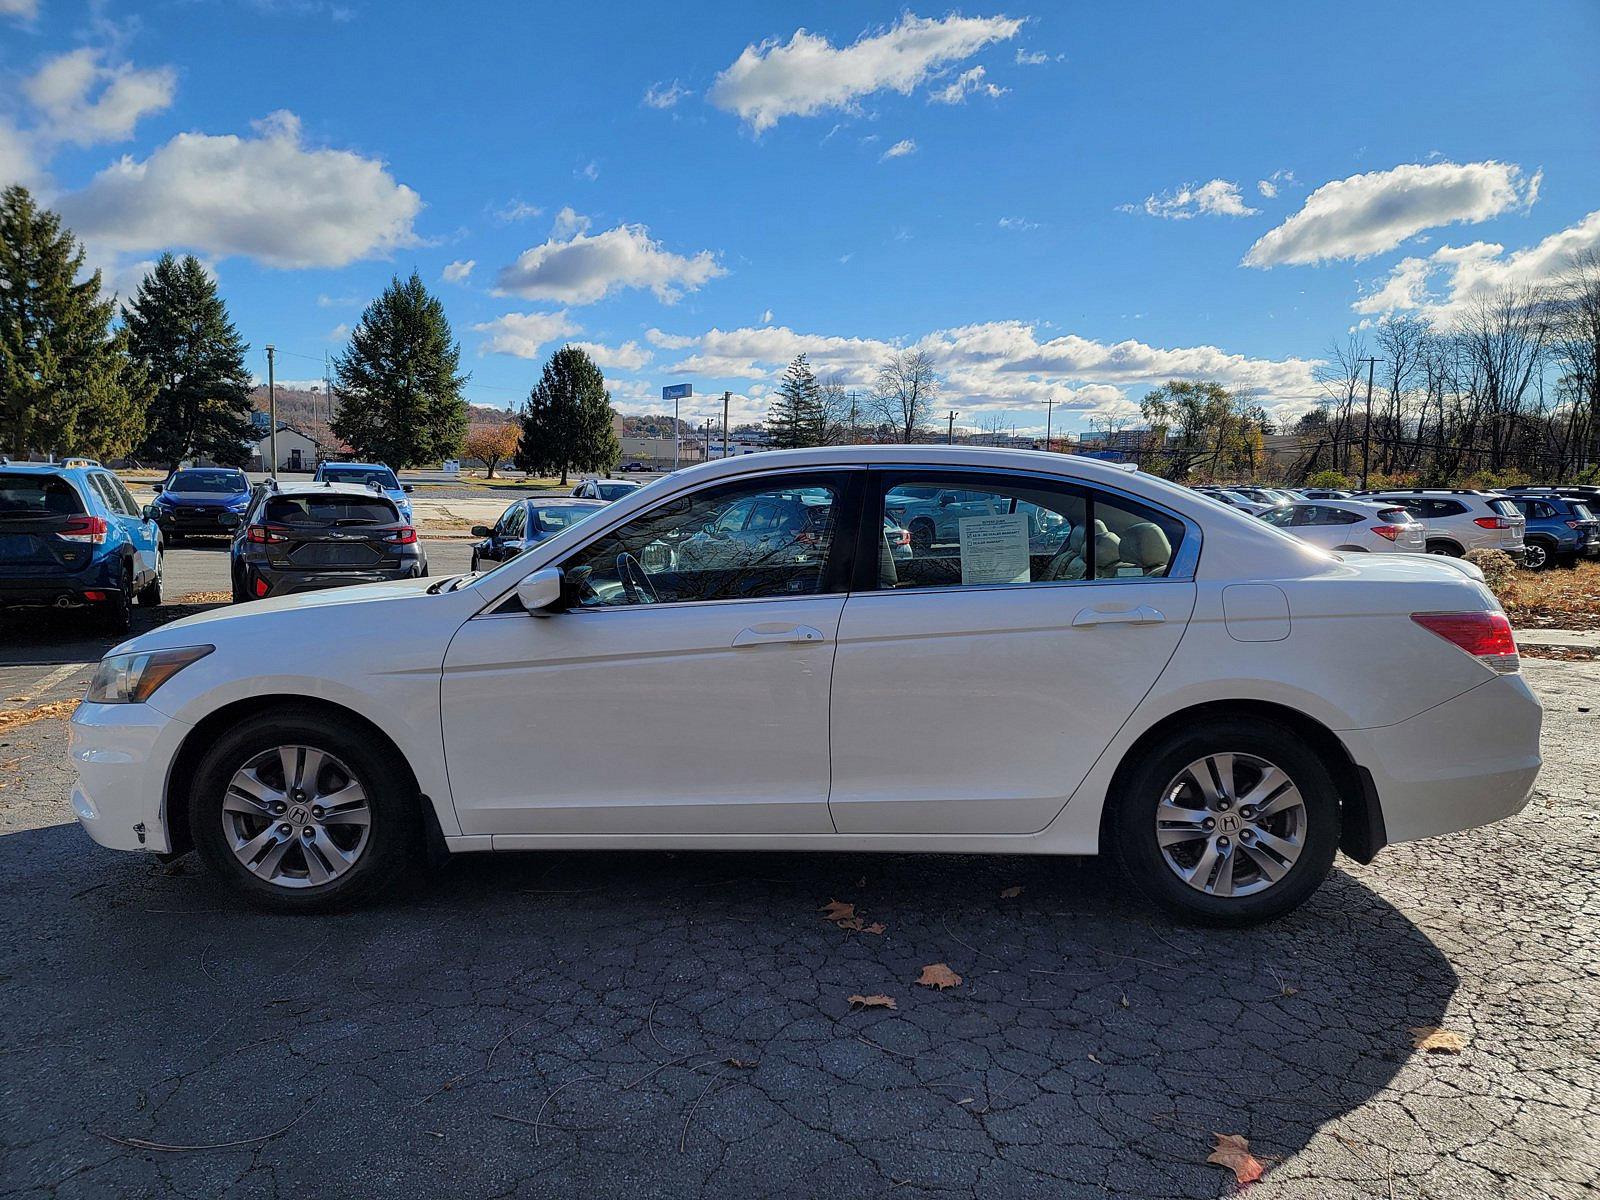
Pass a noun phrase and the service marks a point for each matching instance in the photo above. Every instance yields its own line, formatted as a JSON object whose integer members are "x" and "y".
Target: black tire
{"x": 116, "y": 614}
{"x": 922, "y": 533}
{"x": 1440, "y": 546}
{"x": 1537, "y": 554}
{"x": 474, "y": 562}
{"x": 394, "y": 836}
{"x": 150, "y": 594}
{"x": 239, "y": 594}
{"x": 1131, "y": 820}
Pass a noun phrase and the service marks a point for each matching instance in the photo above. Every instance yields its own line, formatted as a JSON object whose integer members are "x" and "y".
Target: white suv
{"x": 1459, "y": 521}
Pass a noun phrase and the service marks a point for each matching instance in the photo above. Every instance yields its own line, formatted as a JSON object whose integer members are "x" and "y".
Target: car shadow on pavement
{"x": 574, "y": 1024}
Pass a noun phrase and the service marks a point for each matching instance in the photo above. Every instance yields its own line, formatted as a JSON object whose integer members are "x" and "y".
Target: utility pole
{"x": 327, "y": 385}
{"x": 726, "y": 396}
{"x": 272, "y": 413}
{"x": 950, "y": 433}
{"x": 1049, "y": 411}
{"x": 1366, "y": 427}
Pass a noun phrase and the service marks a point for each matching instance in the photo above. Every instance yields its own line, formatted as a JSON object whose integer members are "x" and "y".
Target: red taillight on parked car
{"x": 1484, "y": 635}
{"x": 264, "y": 534}
{"x": 84, "y": 529}
{"x": 406, "y": 535}
{"x": 1494, "y": 522}
{"x": 1387, "y": 531}
{"x": 262, "y": 587}
{"x": 899, "y": 537}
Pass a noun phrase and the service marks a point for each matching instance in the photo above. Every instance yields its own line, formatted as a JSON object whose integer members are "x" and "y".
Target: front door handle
{"x": 760, "y": 636}
{"x": 1143, "y": 615}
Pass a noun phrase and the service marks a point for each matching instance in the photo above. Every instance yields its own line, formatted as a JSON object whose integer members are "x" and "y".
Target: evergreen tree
{"x": 399, "y": 395}
{"x": 567, "y": 423}
{"x": 67, "y": 384}
{"x": 179, "y": 332}
{"x": 798, "y": 416}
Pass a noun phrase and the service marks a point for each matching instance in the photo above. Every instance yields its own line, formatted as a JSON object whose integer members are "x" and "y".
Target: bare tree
{"x": 1503, "y": 338}
{"x": 1576, "y": 348}
{"x": 844, "y": 410}
{"x": 907, "y": 385}
{"x": 1342, "y": 376}
{"x": 1402, "y": 341}
{"x": 992, "y": 425}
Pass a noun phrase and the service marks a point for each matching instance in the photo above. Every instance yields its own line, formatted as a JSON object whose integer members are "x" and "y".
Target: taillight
{"x": 1387, "y": 531}
{"x": 806, "y": 538}
{"x": 265, "y": 534}
{"x": 406, "y": 535}
{"x": 899, "y": 537}
{"x": 1484, "y": 635}
{"x": 1571, "y": 524}
{"x": 1494, "y": 522}
{"x": 84, "y": 529}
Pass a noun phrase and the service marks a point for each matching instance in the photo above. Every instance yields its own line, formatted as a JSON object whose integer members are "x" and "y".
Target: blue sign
{"x": 677, "y": 391}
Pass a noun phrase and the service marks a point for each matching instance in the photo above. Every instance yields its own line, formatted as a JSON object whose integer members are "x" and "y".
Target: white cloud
{"x": 339, "y": 332}
{"x": 1368, "y": 214}
{"x": 265, "y": 197}
{"x": 522, "y": 334}
{"x": 326, "y": 301}
{"x": 458, "y": 271}
{"x": 665, "y": 95}
{"x": 590, "y": 170}
{"x": 968, "y": 83}
{"x": 84, "y": 101}
{"x": 1035, "y": 58}
{"x": 1219, "y": 198}
{"x": 808, "y": 75}
{"x": 22, "y": 10}
{"x": 568, "y": 222}
{"x": 1452, "y": 277}
{"x": 583, "y": 269}
{"x": 517, "y": 210}
{"x": 900, "y": 149}
{"x": 993, "y": 364}
{"x": 1017, "y": 224}
{"x": 766, "y": 317}
{"x": 1272, "y": 184}
{"x": 629, "y": 356}
{"x": 18, "y": 163}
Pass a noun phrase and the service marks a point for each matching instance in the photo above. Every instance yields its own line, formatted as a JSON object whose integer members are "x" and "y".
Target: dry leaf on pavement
{"x": 16, "y": 718}
{"x": 938, "y": 975}
{"x": 1010, "y": 893}
{"x": 837, "y": 910}
{"x": 1437, "y": 1041}
{"x": 1233, "y": 1152}
{"x": 875, "y": 927}
{"x": 743, "y": 1064}
{"x": 860, "y": 1002}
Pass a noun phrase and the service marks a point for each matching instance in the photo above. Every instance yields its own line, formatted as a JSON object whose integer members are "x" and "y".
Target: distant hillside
{"x": 309, "y": 410}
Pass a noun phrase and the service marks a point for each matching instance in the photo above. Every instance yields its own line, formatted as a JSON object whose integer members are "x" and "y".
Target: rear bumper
{"x": 121, "y": 753}
{"x": 287, "y": 582}
{"x": 61, "y": 590}
{"x": 1464, "y": 763}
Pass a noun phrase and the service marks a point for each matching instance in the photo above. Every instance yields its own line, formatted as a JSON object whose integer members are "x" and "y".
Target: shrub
{"x": 1499, "y": 568}
{"x": 1328, "y": 481}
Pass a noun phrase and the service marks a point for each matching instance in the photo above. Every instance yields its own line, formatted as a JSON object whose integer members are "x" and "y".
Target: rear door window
{"x": 310, "y": 511}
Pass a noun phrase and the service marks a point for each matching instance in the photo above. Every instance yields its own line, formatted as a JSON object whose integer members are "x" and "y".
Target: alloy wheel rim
{"x": 1534, "y": 555}
{"x": 1231, "y": 824}
{"x": 296, "y": 817}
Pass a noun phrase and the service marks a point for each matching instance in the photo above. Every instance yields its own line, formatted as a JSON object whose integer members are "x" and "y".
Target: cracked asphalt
{"x": 659, "y": 1025}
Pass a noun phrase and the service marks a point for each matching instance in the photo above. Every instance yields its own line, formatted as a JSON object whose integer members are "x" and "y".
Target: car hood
{"x": 206, "y": 498}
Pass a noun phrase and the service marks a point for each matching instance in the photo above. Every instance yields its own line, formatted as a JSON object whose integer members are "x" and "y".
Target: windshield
{"x": 23, "y": 496}
{"x": 615, "y": 491}
{"x": 553, "y": 517}
{"x": 221, "y": 483}
{"x": 314, "y": 510}
{"x": 382, "y": 476}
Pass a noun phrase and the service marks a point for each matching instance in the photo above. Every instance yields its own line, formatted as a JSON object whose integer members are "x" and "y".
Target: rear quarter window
{"x": 314, "y": 510}
{"x": 1503, "y": 507}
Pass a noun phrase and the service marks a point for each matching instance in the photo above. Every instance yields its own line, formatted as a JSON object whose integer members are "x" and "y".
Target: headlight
{"x": 133, "y": 678}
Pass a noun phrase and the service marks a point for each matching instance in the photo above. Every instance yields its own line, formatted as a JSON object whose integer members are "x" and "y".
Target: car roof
{"x": 1358, "y": 503}
{"x": 371, "y": 465}
{"x": 49, "y": 468}
{"x": 565, "y": 502}
{"x": 328, "y": 488}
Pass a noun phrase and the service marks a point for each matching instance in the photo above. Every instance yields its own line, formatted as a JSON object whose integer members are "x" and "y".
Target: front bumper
{"x": 1464, "y": 763}
{"x": 199, "y": 521}
{"x": 122, "y": 753}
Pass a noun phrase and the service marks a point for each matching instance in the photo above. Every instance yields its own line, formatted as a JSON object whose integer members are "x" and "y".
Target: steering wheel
{"x": 636, "y": 583}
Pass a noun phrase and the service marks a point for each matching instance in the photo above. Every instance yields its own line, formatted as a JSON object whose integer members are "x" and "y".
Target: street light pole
{"x": 1049, "y": 411}
{"x": 1366, "y": 427}
{"x": 950, "y": 433}
{"x": 272, "y": 412}
{"x": 726, "y": 396}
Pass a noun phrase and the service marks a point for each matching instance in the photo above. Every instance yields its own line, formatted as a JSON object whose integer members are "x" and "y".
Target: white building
{"x": 296, "y": 451}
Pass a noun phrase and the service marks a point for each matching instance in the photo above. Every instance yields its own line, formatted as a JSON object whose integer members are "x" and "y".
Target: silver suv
{"x": 1461, "y": 520}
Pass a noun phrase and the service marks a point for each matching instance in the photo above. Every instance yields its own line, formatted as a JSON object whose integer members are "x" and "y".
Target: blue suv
{"x": 71, "y": 536}
{"x": 195, "y": 499}
{"x": 1560, "y": 527}
{"x": 366, "y": 475}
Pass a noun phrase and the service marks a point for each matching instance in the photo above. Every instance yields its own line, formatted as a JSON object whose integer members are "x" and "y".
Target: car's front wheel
{"x": 1230, "y": 822}
{"x": 301, "y": 815}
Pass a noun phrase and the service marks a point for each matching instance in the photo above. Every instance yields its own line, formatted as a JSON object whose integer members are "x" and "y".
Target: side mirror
{"x": 229, "y": 520}
{"x": 946, "y": 500}
{"x": 407, "y": 488}
{"x": 542, "y": 592}
{"x": 482, "y": 531}
{"x": 148, "y": 512}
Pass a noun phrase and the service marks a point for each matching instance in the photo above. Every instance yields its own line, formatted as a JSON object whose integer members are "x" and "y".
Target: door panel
{"x": 980, "y": 710}
{"x": 669, "y": 718}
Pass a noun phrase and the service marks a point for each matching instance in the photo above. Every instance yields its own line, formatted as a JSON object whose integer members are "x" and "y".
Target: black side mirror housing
{"x": 482, "y": 531}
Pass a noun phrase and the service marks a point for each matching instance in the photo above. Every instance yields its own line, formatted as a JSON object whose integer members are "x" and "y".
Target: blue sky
{"x": 1073, "y": 201}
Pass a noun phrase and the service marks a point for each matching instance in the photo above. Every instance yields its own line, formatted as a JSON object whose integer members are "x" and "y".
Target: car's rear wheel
{"x": 116, "y": 613}
{"x": 1231, "y": 822}
{"x": 303, "y": 816}
{"x": 922, "y": 532}
{"x": 1536, "y": 554}
{"x": 1439, "y": 546}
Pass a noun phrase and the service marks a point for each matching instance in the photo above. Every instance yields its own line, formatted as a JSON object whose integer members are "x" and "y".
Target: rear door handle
{"x": 754, "y": 636}
{"x": 1143, "y": 615}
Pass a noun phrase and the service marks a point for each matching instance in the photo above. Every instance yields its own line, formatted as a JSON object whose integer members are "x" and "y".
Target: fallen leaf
{"x": 16, "y": 718}
{"x": 851, "y": 923}
{"x": 859, "y": 1002}
{"x": 1233, "y": 1152}
{"x": 938, "y": 975}
{"x": 837, "y": 910}
{"x": 1437, "y": 1041}
{"x": 1010, "y": 893}
{"x": 875, "y": 927}
{"x": 204, "y": 598}
{"x": 743, "y": 1064}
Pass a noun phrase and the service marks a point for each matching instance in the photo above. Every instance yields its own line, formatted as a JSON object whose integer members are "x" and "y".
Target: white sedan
{"x": 1352, "y": 526}
{"x": 1216, "y": 702}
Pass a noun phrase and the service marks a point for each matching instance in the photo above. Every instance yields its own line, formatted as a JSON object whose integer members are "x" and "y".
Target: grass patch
{"x": 1555, "y": 598}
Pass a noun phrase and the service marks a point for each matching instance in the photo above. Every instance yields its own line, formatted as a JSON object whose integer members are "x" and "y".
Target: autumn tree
{"x": 492, "y": 444}
{"x": 397, "y": 385}
{"x": 567, "y": 422}
{"x": 179, "y": 333}
{"x": 67, "y": 383}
